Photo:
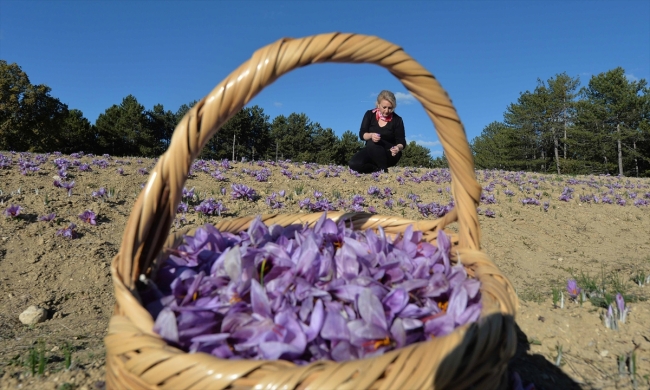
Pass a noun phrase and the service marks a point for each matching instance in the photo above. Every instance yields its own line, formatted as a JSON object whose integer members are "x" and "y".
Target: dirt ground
{"x": 606, "y": 245}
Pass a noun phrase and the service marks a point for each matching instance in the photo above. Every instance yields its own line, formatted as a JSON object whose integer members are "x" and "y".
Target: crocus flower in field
{"x": 182, "y": 208}
{"x": 120, "y": 171}
{"x": 622, "y": 309}
{"x": 532, "y": 201}
{"x": 68, "y": 186}
{"x": 241, "y": 191}
{"x": 188, "y": 193}
{"x": 573, "y": 289}
{"x": 89, "y": 217}
{"x": 489, "y": 213}
{"x": 68, "y": 232}
{"x": 47, "y": 218}
{"x": 374, "y": 191}
{"x": 99, "y": 193}
{"x": 13, "y": 211}
{"x": 209, "y": 207}
{"x": 609, "y": 319}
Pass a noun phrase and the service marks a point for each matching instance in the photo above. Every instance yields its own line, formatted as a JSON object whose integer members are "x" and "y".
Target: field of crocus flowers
{"x": 577, "y": 250}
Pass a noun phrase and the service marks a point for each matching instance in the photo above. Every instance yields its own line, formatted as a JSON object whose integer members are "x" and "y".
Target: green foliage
{"x": 161, "y": 123}
{"x": 498, "y": 146}
{"x": 246, "y": 135}
{"x": 602, "y": 128}
{"x": 123, "y": 130}
{"x": 30, "y": 119}
{"x": 415, "y": 155}
{"x": 346, "y": 147}
{"x": 36, "y": 358}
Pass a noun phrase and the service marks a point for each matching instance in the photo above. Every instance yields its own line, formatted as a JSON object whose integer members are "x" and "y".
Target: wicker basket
{"x": 474, "y": 355}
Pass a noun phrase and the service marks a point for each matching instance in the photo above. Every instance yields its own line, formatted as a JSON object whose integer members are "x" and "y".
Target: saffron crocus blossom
{"x": 88, "y": 216}
{"x": 305, "y": 294}
{"x": 622, "y": 309}
{"x": 68, "y": 186}
{"x": 573, "y": 289}
{"x": 609, "y": 319}
{"x": 100, "y": 193}
{"x": 209, "y": 207}
{"x": 68, "y": 232}
{"x": 241, "y": 191}
{"x": 13, "y": 211}
{"x": 47, "y": 218}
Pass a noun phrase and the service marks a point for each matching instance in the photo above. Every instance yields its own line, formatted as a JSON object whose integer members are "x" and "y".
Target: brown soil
{"x": 537, "y": 250}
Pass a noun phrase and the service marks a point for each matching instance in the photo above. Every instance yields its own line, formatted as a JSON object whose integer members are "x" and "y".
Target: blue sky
{"x": 484, "y": 53}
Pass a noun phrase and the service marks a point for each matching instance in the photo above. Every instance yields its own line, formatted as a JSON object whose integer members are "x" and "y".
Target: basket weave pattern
{"x": 473, "y": 355}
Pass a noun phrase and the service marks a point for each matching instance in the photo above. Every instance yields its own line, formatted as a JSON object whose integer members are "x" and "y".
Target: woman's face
{"x": 385, "y": 107}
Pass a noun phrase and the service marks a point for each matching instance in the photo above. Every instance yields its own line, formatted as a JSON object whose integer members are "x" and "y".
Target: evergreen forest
{"x": 562, "y": 127}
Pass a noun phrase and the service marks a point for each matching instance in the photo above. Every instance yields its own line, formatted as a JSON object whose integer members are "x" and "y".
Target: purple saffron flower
{"x": 573, "y": 289}
{"x": 89, "y": 217}
{"x": 99, "y": 193}
{"x": 622, "y": 309}
{"x": 241, "y": 191}
{"x": 305, "y": 294}
{"x": 374, "y": 191}
{"x": 209, "y": 207}
{"x": 489, "y": 213}
{"x": 120, "y": 171}
{"x": 68, "y": 232}
{"x": 13, "y": 211}
{"x": 68, "y": 186}
{"x": 182, "y": 208}
{"x": 531, "y": 201}
{"x": 188, "y": 193}
{"x": 47, "y": 218}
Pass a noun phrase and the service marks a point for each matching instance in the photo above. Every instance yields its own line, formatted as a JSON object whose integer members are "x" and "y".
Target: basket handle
{"x": 150, "y": 220}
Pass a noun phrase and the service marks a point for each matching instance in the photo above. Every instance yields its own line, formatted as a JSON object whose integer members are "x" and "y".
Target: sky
{"x": 484, "y": 53}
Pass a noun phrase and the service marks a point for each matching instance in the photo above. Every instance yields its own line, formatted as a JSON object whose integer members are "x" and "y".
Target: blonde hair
{"x": 387, "y": 95}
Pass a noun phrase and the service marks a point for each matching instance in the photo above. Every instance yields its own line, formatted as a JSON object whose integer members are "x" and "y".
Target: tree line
{"x": 600, "y": 128}
{"x": 31, "y": 119}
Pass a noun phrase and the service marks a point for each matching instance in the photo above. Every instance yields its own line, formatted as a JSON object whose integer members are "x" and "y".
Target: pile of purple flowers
{"x": 305, "y": 294}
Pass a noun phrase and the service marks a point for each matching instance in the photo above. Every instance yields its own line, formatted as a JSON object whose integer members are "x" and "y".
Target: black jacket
{"x": 391, "y": 134}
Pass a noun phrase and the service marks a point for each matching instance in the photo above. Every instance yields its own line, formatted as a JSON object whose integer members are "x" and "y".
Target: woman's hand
{"x": 375, "y": 137}
{"x": 394, "y": 150}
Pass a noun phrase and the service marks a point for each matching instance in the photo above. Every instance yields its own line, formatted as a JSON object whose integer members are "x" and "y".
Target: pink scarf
{"x": 383, "y": 118}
